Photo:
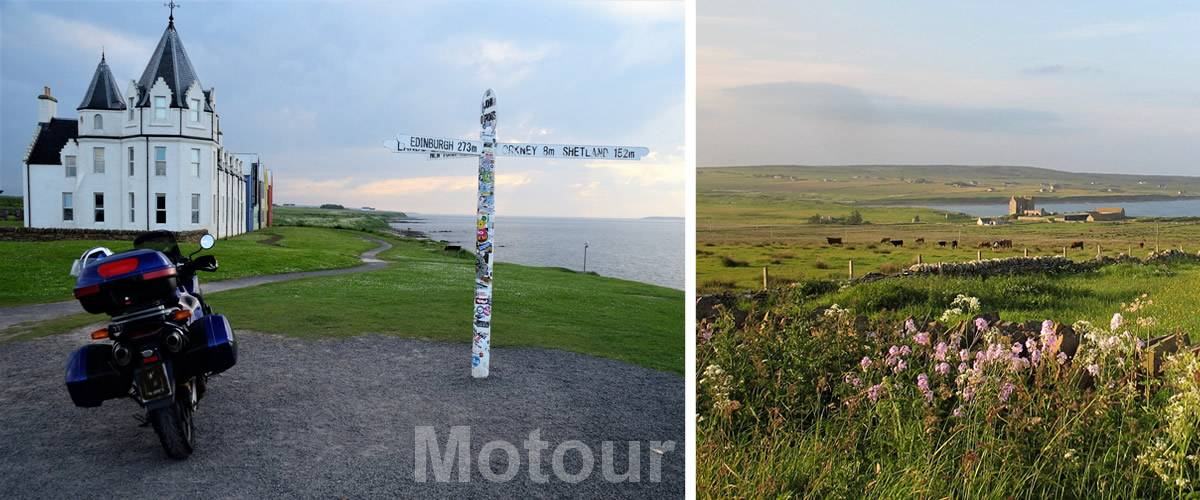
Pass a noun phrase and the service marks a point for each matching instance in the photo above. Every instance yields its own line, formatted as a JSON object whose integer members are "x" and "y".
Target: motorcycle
{"x": 163, "y": 341}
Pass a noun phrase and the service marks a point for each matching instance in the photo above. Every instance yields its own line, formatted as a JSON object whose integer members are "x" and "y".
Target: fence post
{"x": 764, "y": 277}
{"x": 1027, "y": 252}
{"x": 978, "y": 255}
{"x": 919, "y": 261}
{"x": 851, "y": 268}
{"x": 1097, "y": 250}
{"x": 1064, "y": 251}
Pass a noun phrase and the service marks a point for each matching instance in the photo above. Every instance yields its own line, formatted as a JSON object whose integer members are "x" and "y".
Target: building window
{"x": 98, "y": 160}
{"x": 195, "y": 111}
{"x": 195, "y": 162}
{"x": 97, "y": 122}
{"x": 195, "y": 208}
{"x": 160, "y": 108}
{"x": 68, "y": 204}
{"x": 98, "y": 207}
{"x": 130, "y": 151}
{"x": 132, "y": 207}
{"x": 69, "y": 165}
{"x": 130, "y": 108}
{"x": 160, "y": 160}
{"x": 160, "y": 208}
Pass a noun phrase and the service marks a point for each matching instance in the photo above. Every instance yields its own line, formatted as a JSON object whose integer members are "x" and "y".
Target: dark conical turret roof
{"x": 169, "y": 62}
{"x": 102, "y": 93}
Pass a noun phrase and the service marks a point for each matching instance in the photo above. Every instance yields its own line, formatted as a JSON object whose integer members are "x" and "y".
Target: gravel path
{"x": 13, "y": 315}
{"x": 336, "y": 418}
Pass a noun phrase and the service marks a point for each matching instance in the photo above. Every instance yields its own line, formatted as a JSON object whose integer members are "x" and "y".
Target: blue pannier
{"x": 92, "y": 378}
{"x": 214, "y": 348}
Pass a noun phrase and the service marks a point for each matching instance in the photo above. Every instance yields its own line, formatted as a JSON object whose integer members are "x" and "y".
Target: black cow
{"x": 954, "y": 244}
{"x": 920, "y": 241}
{"x": 884, "y": 240}
{"x": 1077, "y": 244}
{"x": 833, "y": 241}
{"x": 942, "y": 243}
{"x": 897, "y": 243}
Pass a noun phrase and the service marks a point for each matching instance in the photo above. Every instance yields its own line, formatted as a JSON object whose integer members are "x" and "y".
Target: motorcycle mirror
{"x": 75, "y": 267}
{"x": 207, "y": 241}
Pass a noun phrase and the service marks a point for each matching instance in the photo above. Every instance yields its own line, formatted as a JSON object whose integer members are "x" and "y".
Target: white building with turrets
{"x": 149, "y": 157}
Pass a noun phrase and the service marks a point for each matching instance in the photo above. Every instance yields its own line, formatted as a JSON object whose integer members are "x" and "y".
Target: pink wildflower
{"x": 1017, "y": 348}
{"x": 1093, "y": 369}
{"x": 1062, "y": 358}
{"x": 943, "y": 368}
{"x": 981, "y": 324}
{"x": 958, "y": 411}
{"x": 910, "y": 326}
{"x": 900, "y": 366}
{"x": 1047, "y": 328}
{"x": 1006, "y": 391}
{"x": 874, "y": 391}
{"x": 967, "y": 393}
{"x": 865, "y": 363}
{"x": 964, "y": 355}
{"x": 923, "y": 385}
{"x": 939, "y": 351}
{"x": 921, "y": 338}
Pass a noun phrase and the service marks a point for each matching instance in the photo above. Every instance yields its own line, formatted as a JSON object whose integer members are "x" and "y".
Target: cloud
{"x": 504, "y": 61}
{"x": 845, "y": 104}
{"x": 437, "y": 184}
{"x": 640, "y": 11}
{"x": 1100, "y": 30}
{"x": 1061, "y": 69}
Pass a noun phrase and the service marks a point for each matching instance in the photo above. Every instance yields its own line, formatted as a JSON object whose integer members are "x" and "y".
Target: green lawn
{"x": 426, "y": 293}
{"x": 335, "y": 218}
{"x": 36, "y": 272}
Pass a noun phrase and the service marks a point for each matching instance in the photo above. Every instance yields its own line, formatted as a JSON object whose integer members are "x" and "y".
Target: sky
{"x": 1095, "y": 86}
{"x": 316, "y": 87}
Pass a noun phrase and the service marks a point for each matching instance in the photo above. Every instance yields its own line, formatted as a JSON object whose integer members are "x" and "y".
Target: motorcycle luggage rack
{"x": 139, "y": 315}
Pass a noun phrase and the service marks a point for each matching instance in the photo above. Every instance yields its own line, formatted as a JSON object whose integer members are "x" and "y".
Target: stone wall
{"x": 54, "y": 234}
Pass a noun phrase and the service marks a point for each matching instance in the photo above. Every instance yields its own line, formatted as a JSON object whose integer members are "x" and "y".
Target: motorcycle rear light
{"x": 150, "y": 359}
{"x": 87, "y": 291}
{"x": 166, "y": 271}
{"x": 117, "y": 268}
{"x": 181, "y": 315}
{"x": 100, "y": 334}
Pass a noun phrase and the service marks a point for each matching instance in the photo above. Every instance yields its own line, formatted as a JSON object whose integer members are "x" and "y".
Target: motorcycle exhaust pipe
{"x": 121, "y": 354}
{"x": 175, "y": 341}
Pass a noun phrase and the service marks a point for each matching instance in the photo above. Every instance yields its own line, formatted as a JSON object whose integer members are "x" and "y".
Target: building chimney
{"x": 47, "y": 106}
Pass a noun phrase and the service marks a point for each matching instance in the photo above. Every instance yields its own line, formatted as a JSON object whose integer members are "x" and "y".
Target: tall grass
{"x": 833, "y": 404}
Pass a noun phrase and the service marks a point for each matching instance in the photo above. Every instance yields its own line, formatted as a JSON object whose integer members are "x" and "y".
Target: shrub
{"x": 820, "y": 264}
{"x": 728, "y": 261}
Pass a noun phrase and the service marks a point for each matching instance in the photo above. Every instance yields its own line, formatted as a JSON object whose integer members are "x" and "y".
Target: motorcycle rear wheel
{"x": 175, "y": 428}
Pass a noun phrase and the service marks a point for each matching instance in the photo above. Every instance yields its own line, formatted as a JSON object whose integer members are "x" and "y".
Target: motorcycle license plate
{"x": 153, "y": 382}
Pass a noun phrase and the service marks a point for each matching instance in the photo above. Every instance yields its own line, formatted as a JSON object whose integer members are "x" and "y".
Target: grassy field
{"x": 881, "y": 184}
{"x": 426, "y": 293}
{"x": 788, "y": 407}
{"x": 335, "y": 218}
{"x": 37, "y": 271}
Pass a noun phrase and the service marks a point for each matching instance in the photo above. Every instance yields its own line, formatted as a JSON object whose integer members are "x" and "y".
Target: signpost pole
{"x": 484, "y": 220}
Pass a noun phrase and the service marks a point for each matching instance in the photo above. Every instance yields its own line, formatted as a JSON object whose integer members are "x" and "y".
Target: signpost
{"x": 487, "y": 149}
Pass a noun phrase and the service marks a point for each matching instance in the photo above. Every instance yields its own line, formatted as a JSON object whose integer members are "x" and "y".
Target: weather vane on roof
{"x": 172, "y": 6}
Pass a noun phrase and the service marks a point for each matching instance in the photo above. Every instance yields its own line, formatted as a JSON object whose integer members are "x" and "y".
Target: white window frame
{"x": 132, "y": 207}
{"x": 98, "y": 160}
{"x": 194, "y": 111}
{"x": 98, "y": 207}
{"x": 129, "y": 150}
{"x": 68, "y": 206}
{"x": 70, "y": 167}
{"x": 160, "y": 108}
{"x": 98, "y": 122}
{"x": 160, "y": 211}
{"x": 160, "y": 166}
{"x": 130, "y": 108}
{"x": 195, "y": 162}
{"x": 195, "y": 208}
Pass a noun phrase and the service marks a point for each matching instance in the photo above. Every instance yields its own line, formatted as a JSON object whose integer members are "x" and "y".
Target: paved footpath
{"x": 10, "y": 316}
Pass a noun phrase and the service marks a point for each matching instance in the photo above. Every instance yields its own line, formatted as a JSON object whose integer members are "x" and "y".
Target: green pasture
{"x": 890, "y": 183}
{"x": 335, "y": 218}
{"x": 427, "y": 293}
{"x": 37, "y": 271}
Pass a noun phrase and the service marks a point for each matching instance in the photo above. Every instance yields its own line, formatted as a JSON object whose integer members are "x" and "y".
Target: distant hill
{"x": 950, "y": 183}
